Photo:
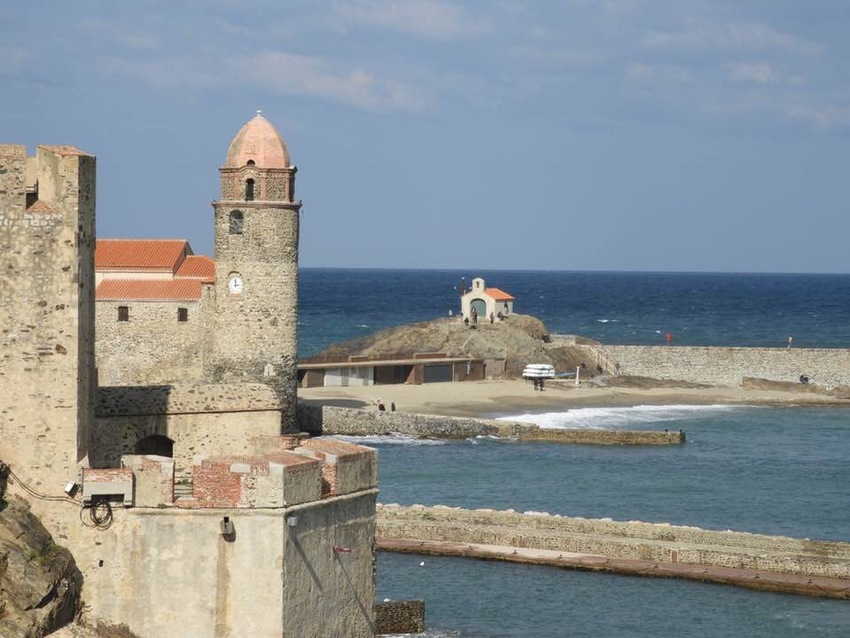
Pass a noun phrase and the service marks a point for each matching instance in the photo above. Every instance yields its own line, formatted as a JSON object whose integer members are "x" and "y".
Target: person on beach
{"x": 790, "y": 341}
{"x": 669, "y": 337}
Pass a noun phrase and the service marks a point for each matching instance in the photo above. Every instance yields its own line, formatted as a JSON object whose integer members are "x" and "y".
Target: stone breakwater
{"x": 753, "y": 560}
{"x": 325, "y": 420}
{"x": 825, "y": 367}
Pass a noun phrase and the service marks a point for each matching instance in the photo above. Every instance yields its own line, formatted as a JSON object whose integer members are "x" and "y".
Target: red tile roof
{"x": 499, "y": 295}
{"x": 148, "y": 290}
{"x": 140, "y": 254}
{"x": 40, "y": 206}
{"x": 197, "y": 267}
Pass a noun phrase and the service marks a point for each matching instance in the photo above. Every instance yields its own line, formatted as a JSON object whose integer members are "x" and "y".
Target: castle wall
{"x": 46, "y": 312}
{"x": 201, "y": 420}
{"x": 153, "y": 346}
{"x": 729, "y": 366}
{"x": 135, "y": 573}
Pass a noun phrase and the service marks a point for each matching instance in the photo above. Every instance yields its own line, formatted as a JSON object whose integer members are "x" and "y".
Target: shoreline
{"x": 494, "y": 398}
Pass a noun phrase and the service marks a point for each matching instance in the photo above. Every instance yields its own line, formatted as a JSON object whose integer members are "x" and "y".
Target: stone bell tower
{"x": 256, "y": 257}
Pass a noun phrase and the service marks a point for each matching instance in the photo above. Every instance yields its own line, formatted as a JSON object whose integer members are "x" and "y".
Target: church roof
{"x": 148, "y": 290}
{"x": 140, "y": 254}
{"x": 498, "y": 295}
{"x": 197, "y": 267}
{"x": 258, "y": 142}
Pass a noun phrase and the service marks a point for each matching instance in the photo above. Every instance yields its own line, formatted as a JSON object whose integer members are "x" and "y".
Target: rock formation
{"x": 519, "y": 339}
{"x": 39, "y": 580}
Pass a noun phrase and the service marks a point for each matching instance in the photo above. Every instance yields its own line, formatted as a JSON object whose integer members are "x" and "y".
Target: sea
{"x": 768, "y": 470}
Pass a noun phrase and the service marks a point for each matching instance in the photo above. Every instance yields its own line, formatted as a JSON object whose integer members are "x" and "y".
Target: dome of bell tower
{"x": 258, "y": 143}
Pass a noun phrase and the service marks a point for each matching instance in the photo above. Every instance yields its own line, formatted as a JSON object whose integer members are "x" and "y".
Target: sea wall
{"x": 616, "y": 540}
{"x": 400, "y": 617}
{"x": 726, "y": 366}
{"x": 319, "y": 420}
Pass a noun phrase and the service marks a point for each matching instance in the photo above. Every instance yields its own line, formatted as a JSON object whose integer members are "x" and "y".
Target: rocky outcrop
{"x": 39, "y": 580}
{"x": 519, "y": 340}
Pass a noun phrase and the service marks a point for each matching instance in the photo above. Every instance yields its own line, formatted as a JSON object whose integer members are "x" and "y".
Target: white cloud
{"x": 140, "y": 36}
{"x": 337, "y": 82}
{"x": 703, "y": 34}
{"x": 760, "y": 73}
{"x": 823, "y": 117}
{"x": 431, "y": 19}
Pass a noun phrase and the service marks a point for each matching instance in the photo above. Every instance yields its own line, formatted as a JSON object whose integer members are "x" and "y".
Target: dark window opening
{"x": 123, "y": 313}
{"x": 236, "y": 222}
{"x": 249, "y": 190}
{"x": 182, "y": 314}
{"x": 250, "y": 162}
{"x": 156, "y": 444}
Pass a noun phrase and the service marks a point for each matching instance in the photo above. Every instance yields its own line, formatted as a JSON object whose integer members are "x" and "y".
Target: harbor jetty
{"x": 330, "y": 420}
{"x": 756, "y": 561}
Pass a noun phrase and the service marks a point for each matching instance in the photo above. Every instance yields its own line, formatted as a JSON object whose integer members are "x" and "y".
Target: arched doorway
{"x": 155, "y": 444}
{"x": 480, "y": 307}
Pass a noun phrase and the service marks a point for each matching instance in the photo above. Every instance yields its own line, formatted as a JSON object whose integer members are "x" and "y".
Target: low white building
{"x": 485, "y": 303}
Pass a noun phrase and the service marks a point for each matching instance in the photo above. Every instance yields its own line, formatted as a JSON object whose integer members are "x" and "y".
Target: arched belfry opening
{"x": 155, "y": 444}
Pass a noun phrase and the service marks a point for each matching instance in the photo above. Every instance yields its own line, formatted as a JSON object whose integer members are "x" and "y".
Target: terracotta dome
{"x": 258, "y": 142}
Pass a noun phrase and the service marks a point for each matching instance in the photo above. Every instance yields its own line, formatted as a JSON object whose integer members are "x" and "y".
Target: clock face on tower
{"x": 235, "y": 284}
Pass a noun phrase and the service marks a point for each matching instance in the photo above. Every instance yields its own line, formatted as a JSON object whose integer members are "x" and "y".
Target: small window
{"x": 123, "y": 313}
{"x": 236, "y": 222}
{"x": 182, "y": 314}
{"x": 249, "y": 190}
{"x": 251, "y": 162}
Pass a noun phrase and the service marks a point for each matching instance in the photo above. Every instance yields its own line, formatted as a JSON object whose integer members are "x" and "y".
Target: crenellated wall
{"x": 47, "y": 220}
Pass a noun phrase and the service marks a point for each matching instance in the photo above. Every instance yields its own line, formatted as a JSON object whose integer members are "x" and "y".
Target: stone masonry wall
{"x": 629, "y": 540}
{"x": 46, "y": 312}
{"x": 728, "y": 366}
{"x": 152, "y": 347}
{"x": 256, "y": 331}
{"x": 201, "y": 420}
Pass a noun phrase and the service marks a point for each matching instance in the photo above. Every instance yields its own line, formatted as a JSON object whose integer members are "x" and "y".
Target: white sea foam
{"x": 616, "y": 418}
{"x": 387, "y": 439}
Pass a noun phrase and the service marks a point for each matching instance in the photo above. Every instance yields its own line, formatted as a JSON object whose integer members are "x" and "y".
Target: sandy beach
{"x": 503, "y": 397}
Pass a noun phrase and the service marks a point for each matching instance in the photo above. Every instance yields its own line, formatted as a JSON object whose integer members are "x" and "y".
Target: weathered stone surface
{"x": 39, "y": 581}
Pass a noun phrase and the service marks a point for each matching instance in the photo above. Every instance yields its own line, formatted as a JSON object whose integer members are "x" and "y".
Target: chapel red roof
{"x": 140, "y": 254}
{"x": 499, "y": 295}
{"x": 148, "y": 290}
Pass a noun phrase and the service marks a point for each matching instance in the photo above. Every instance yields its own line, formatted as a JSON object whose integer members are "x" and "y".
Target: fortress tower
{"x": 47, "y": 217}
{"x": 256, "y": 257}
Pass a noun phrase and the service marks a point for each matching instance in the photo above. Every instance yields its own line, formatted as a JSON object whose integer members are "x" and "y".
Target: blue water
{"x": 759, "y": 469}
{"x": 615, "y": 308}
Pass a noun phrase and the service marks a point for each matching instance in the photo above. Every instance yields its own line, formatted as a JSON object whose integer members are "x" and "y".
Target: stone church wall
{"x": 152, "y": 346}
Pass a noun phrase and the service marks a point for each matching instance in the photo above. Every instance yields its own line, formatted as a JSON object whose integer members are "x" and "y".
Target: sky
{"x": 636, "y": 135}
